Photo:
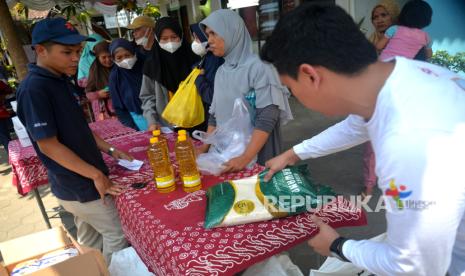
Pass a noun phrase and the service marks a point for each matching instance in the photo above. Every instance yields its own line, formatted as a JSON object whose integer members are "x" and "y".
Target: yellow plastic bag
{"x": 185, "y": 108}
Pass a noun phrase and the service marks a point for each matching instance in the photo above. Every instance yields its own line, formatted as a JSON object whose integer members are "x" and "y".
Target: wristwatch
{"x": 336, "y": 249}
{"x": 110, "y": 151}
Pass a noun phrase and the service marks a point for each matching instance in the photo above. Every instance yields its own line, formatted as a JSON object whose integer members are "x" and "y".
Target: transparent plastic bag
{"x": 227, "y": 141}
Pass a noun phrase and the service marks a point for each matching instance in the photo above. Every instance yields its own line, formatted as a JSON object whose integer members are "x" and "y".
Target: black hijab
{"x": 166, "y": 68}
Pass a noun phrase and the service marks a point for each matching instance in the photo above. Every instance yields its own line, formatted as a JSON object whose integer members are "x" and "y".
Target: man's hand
{"x": 105, "y": 186}
{"x": 116, "y": 189}
{"x": 118, "y": 154}
{"x": 322, "y": 241}
{"x": 236, "y": 164}
{"x": 102, "y": 183}
{"x": 280, "y": 162}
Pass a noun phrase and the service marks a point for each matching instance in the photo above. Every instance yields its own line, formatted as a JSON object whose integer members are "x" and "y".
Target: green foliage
{"x": 454, "y": 63}
{"x": 74, "y": 8}
{"x": 128, "y": 5}
{"x": 151, "y": 10}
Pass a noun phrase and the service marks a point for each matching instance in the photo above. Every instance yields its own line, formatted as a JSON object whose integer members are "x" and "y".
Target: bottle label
{"x": 165, "y": 182}
{"x": 191, "y": 181}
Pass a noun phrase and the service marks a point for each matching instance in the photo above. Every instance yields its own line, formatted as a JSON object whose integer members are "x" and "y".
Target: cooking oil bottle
{"x": 161, "y": 139}
{"x": 187, "y": 166}
{"x": 161, "y": 164}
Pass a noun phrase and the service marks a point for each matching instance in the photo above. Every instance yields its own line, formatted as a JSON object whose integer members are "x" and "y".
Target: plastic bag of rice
{"x": 289, "y": 192}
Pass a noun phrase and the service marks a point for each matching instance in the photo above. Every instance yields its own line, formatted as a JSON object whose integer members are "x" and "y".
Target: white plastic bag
{"x": 278, "y": 265}
{"x": 227, "y": 141}
{"x": 127, "y": 262}
{"x": 334, "y": 267}
{"x": 21, "y": 132}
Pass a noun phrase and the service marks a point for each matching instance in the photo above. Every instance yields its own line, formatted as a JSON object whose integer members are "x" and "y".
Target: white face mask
{"x": 170, "y": 46}
{"x": 143, "y": 40}
{"x": 127, "y": 63}
{"x": 198, "y": 48}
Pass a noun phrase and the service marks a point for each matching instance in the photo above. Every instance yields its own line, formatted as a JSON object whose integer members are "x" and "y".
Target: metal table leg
{"x": 42, "y": 208}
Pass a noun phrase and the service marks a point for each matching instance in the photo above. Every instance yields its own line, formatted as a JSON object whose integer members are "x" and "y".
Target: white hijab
{"x": 243, "y": 70}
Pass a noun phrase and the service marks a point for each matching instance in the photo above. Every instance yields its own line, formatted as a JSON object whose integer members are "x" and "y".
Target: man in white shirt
{"x": 414, "y": 115}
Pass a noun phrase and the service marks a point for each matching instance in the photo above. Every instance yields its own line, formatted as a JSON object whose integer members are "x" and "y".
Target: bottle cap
{"x": 182, "y": 138}
{"x": 182, "y": 132}
{"x": 156, "y": 132}
{"x": 153, "y": 140}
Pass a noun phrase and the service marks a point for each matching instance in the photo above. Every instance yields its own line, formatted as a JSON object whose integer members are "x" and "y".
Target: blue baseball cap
{"x": 57, "y": 30}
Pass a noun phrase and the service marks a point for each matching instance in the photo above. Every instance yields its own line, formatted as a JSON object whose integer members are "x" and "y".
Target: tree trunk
{"x": 13, "y": 43}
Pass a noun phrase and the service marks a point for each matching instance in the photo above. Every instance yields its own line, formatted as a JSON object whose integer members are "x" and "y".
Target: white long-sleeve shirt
{"x": 418, "y": 136}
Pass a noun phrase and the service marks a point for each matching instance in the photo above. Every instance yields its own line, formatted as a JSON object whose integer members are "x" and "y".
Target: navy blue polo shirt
{"x": 47, "y": 107}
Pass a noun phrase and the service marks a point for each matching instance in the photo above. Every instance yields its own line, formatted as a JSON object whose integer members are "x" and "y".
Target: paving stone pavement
{"x": 20, "y": 215}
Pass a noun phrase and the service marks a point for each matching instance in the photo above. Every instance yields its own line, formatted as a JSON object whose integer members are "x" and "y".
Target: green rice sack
{"x": 289, "y": 192}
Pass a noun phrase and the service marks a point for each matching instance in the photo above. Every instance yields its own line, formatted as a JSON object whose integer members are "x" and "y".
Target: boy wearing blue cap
{"x": 63, "y": 140}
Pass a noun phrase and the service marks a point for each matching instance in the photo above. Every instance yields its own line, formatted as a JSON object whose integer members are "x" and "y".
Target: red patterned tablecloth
{"x": 111, "y": 128}
{"x": 167, "y": 230}
{"x": 29, "y": 172}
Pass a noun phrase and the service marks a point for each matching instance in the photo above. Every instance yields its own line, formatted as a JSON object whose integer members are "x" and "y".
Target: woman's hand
{"x": 201, "y": 149}
{"x": 103, "y": 94}
{"x": 153, "y": 127}
{"x": 236, "y": 164}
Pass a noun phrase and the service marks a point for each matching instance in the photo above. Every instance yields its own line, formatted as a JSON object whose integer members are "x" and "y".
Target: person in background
{"x": 63, "y": 141}
{"x": 413, "y": 114}
{"x": 383, "y": 16}
{"x": 244, "y": 75}
{"x": 168, "y": 64}
{"x": 407, "y": 38}
{"x": 143, "y": 31}
{"x": 97, "y": 90}
{"x": 209, "y": 64}
{"x": 410, "y": 42}
{"x": 87, "y": 58}
{"x": 3, "y": 73}
{"x": 125, "y": 82}
{"x": 5, "y": 120}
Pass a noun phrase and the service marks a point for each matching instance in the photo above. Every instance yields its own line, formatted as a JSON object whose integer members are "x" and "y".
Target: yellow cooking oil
{"x": 161, "y": 165}
{"x": 187, "y": 166}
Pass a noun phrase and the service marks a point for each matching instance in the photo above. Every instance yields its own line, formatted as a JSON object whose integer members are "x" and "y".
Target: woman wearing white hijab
{"x": 244, "y": 74}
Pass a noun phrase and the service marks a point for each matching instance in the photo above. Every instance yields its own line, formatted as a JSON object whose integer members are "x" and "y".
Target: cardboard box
{"x": 89, "y": 262}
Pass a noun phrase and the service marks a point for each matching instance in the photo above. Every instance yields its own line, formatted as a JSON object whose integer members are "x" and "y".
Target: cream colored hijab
{"x": 243, "y": 70}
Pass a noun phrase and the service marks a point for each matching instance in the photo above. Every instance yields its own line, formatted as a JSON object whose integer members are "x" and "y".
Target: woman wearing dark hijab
{"x": 209, "y": 64}
{"x": 125, "y": 82}
{"x": 169, "y": 63}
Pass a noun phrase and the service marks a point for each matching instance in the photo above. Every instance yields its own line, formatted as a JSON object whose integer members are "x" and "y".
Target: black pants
{"x": 5, "y": 126}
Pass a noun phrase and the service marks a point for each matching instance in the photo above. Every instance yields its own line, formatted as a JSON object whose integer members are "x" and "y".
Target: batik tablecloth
{"x": 29, "y": 172}
{"x": 167, "y": 230}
